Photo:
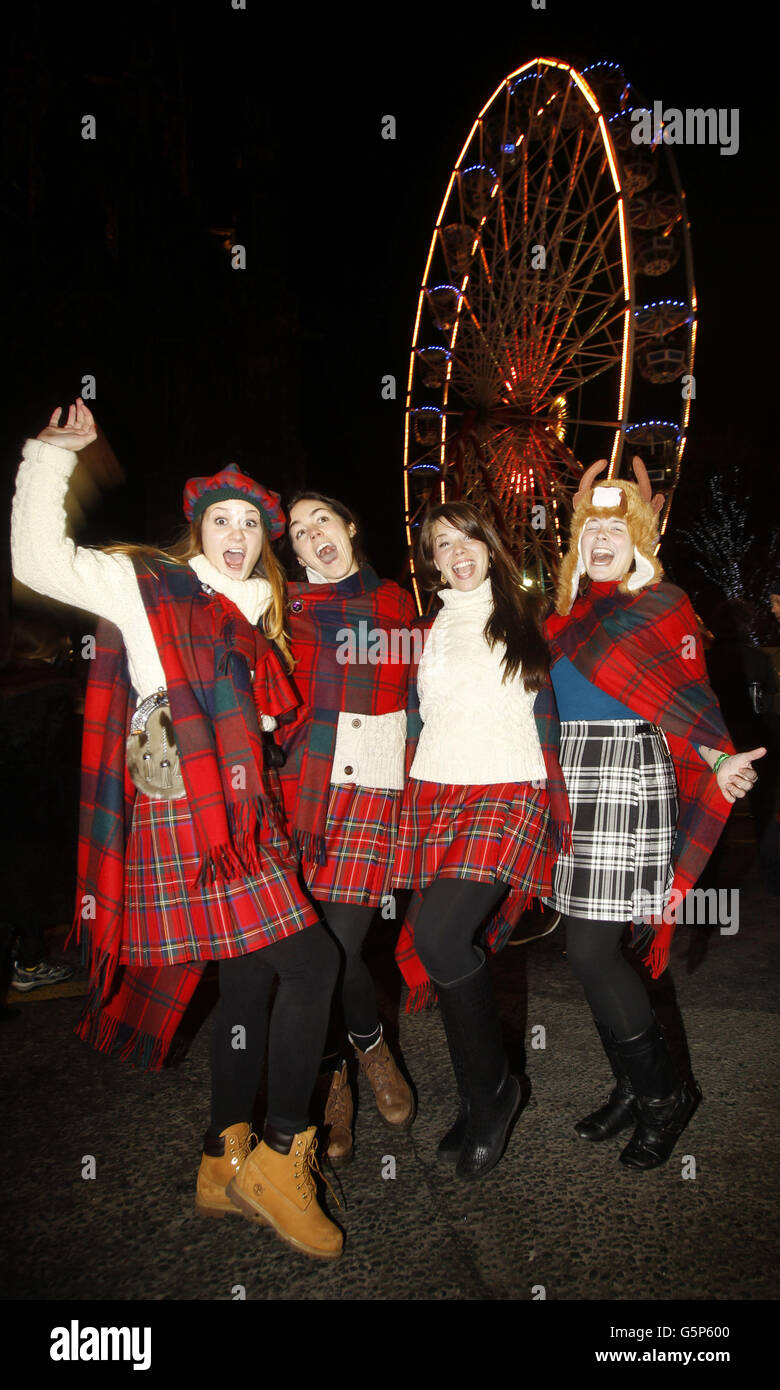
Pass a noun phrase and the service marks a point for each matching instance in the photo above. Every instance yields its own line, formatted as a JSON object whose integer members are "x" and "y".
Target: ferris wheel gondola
{"x": 533, "y": 350}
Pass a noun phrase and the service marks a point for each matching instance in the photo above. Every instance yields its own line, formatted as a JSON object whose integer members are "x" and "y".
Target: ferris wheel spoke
{"x": 523, "y": 347}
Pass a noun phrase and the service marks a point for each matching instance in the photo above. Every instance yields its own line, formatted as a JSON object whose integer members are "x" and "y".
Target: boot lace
{"x": 305, "y": 1166}
{"x": 240, "y": 1148}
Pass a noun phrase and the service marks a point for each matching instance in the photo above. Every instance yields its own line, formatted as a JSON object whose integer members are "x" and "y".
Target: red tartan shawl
{"x": 645, "y": 650}
{"x": 136, "y": 1009}
{"x": 352, "y": 646}
{"x": 504, "y": 918}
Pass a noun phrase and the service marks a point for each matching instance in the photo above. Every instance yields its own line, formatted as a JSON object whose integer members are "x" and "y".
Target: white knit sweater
{"x": 476, "y": 730}
{"x": 45, "y": 559}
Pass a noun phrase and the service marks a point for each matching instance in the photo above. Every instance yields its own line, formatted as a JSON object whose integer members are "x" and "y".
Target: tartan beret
{"x": 200, "y": 493}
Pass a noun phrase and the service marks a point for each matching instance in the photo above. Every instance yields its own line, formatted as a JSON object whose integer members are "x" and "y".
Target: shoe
{"x": 492, "y": 1096}
{"x": 665, "y": 1103}
{"x": 44, "y": 973}
{"x": 338, "y": 1118}
{"x": 276, "y": 1188}
{"x": 620, "y": 1110}
{"x": 393, "y": 1096}
{"x": 534, "y": 925}
{"x": 661, "y": 1122}
{"x": 220, "y": 1161}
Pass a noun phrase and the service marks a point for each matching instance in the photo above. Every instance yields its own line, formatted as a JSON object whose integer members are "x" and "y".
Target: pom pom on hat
{"x": 200, "y": 493}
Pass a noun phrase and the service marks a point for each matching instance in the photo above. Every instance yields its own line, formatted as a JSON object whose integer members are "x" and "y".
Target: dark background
{"x": 217, "y": 125}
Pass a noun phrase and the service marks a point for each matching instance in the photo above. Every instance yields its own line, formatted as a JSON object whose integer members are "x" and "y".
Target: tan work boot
{"x": 338, "y": 1118}
{"x": 277, "y": 1189}
{"x": 394, "y": 1099}
{"x": 220, "y": 1161}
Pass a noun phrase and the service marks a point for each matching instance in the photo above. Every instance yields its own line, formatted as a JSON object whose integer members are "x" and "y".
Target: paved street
{"x": 558, "y": 1219}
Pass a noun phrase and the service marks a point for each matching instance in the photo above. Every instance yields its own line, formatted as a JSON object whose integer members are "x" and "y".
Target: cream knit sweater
{"x": 45, "y": 559}
{"x": 476, "y": 730}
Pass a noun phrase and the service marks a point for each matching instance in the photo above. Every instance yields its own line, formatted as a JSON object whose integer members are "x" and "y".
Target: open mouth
{"x": 602, "y": 557}
{"x": 234, "y": 560}
{"x": 326, "y": 553}
{"x": 464, "y": 569}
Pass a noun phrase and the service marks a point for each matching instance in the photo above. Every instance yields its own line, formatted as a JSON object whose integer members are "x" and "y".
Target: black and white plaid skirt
{"x": 623, "y": 798}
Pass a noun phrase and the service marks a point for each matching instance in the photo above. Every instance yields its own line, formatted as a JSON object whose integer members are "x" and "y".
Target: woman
{"x": 344, "y": 773}
{"x": 484, "y": 809}
{"x": 650, "y": 774}
{"x": 182, "y": 857}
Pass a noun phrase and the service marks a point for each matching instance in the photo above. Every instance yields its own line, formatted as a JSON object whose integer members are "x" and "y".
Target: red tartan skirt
{"x": 168, "y": 921}
{"x": 496, "y": 833}
{"x": 360, "y": 831}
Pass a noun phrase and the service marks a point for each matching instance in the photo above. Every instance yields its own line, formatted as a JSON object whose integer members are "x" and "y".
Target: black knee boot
{"x": 665, "y": 1102}
{"x": 449, "y": 1146}
{"x": 620, "y": 1110}
{"x": 492, "y": 1095}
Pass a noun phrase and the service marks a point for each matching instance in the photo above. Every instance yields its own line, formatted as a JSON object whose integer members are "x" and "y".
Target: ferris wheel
{"x": 539, "y": 344}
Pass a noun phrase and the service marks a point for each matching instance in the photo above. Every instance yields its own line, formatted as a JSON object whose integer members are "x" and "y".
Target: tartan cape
{"x": 352, "y": 644}
{"x": 504, "y": 918}
{"x": 644, "y": 649}
{"x": 135, "y": 1010}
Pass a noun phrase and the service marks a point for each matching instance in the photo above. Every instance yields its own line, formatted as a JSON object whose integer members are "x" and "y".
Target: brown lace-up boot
{"x": 394, "y": 1099}
{"x": 276, "y": 1187}
{"x": 220, "y": 1161}
{"x": 339, "y": 1111}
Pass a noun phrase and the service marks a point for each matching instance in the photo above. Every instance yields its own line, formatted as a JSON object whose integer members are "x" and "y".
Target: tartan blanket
{"x": 644, "y": 649}
{"x": 351, "y": 642}
{"x": 130, "y": 1009}
{"x": 505, "y": 916}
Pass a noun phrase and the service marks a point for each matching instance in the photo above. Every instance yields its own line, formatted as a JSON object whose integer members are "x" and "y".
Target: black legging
{"x": 307, "y": 965}
{"x": 452, "y": 911}
{"x": 349, "y": 923}
{"x": 616, "y": 995}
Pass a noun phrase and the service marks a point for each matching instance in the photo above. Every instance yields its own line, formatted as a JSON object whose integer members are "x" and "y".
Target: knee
{"x": 591, "y": 947}
{"x": 323, "y": 957}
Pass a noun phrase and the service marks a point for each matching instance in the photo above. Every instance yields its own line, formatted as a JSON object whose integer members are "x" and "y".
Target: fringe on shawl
{"x": 238, "y": 857}
{"x": 421, "y": 997}
{"x": 658, "y": 940}
{"x": 310, "y": 846}
{"x": 109, "y": 1034}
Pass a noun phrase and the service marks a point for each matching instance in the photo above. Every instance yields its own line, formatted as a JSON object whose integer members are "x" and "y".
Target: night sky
{"x": 231, "y": 124}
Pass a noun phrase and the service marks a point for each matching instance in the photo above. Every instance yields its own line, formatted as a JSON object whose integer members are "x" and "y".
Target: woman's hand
{"x": 77, "y": 432}
{"x": 735, "y": 776}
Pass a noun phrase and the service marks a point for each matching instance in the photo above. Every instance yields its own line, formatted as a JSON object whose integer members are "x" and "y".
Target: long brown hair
{"x": 516, "y": 618}
{"x": 190, "y": 544}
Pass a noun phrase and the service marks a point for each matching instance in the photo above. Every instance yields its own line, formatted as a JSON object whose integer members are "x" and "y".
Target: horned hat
{"x": 634, "y": 503}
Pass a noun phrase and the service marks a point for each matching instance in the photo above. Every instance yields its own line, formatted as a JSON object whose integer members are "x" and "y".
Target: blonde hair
{"x": 642, "y": 524}
{"x": 268, "y": 567}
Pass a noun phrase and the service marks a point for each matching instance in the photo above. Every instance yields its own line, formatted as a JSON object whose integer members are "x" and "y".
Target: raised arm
{"x": 43, "y": 555}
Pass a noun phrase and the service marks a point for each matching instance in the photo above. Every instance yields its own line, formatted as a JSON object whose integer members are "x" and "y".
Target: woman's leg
{"x": 276, "y": 1183}
{"x": 616, "y": 994}
{"x": 648, "y": 1086}
{"x": 307, "y": 965}
{"x": 489, "y": 1097}
{"x": 238, "y": 1040}
{"x": 349, "y": 923}
{"x": 238, "y": 1043}
{"x": 452, "y": 911}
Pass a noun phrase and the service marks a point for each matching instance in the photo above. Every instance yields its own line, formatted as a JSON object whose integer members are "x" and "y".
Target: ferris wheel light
{"x": 540, "y": 338}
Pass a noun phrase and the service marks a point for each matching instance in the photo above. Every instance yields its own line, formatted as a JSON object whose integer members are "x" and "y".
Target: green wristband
{"x": 718, "y": 761}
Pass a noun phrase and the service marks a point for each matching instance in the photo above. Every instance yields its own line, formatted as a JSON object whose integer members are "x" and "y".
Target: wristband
{"x": 718, "y": 761}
